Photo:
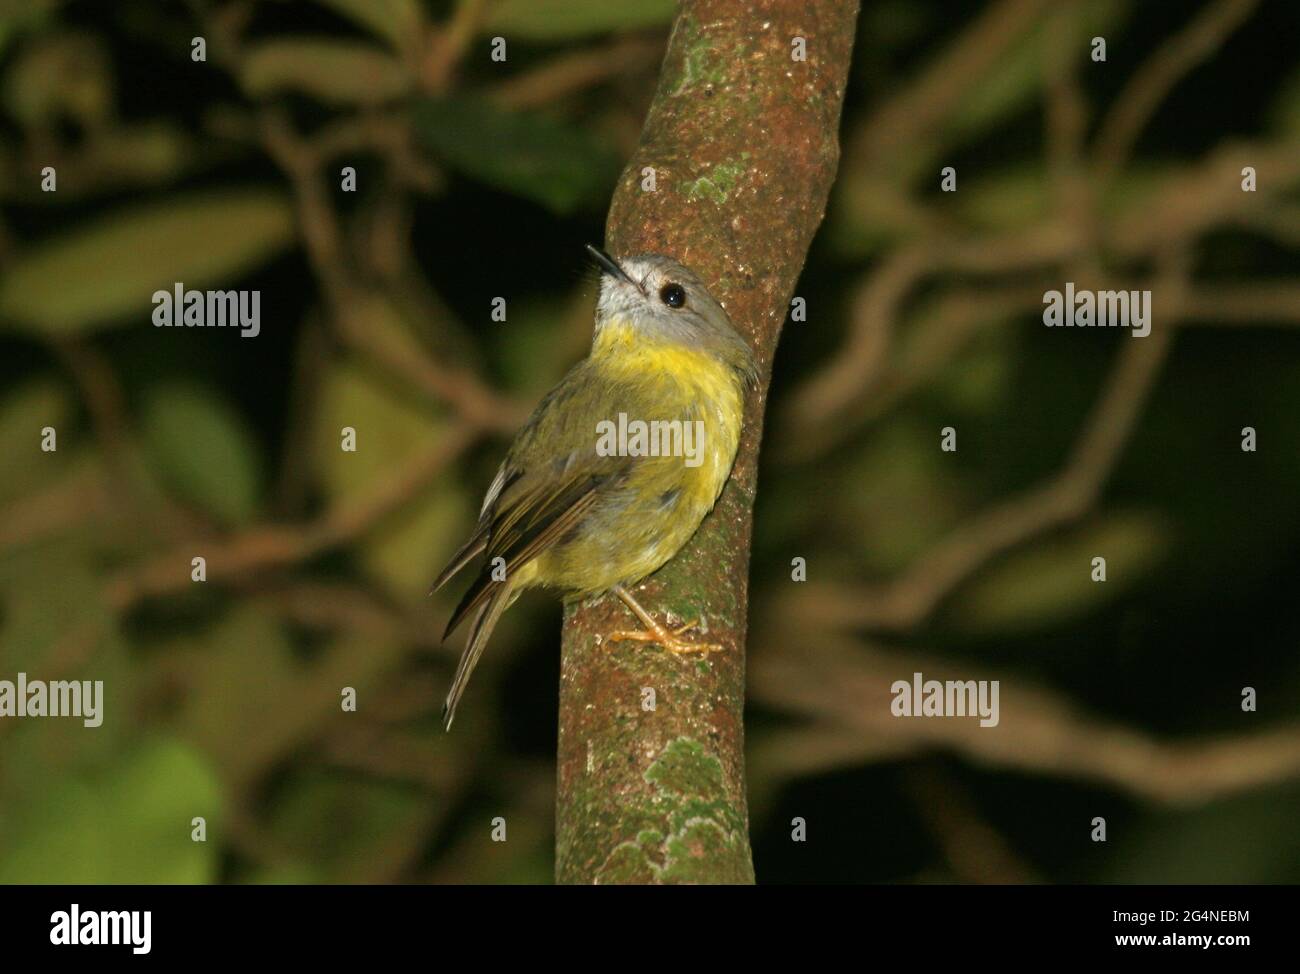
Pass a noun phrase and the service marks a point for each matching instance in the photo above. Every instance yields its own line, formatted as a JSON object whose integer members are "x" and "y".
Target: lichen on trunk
{"x": 741, "y": 143}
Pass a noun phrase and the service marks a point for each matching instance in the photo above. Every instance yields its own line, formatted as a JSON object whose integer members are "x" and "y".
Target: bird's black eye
{"x": 673, "y": 295}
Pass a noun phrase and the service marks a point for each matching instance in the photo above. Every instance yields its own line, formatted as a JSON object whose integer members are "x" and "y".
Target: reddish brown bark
{"x": 742, "y": 138}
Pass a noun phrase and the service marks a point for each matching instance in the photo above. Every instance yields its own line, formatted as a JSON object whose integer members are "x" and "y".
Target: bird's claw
{"x": 672, "y": 641}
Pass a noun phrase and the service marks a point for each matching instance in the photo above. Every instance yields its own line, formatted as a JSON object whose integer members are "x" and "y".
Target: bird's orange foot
{"x": 670, "y": 640}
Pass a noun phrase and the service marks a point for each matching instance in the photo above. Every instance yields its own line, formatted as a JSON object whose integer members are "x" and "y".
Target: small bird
{"x": 618, "y": 465}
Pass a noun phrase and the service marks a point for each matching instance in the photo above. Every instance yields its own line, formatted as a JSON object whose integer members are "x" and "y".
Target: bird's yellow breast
{"x": 672, "y": 381}
{"x": 665, "y": 497}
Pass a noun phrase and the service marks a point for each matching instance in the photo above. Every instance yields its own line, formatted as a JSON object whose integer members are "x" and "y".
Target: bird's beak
{"x": 609, "y": 265}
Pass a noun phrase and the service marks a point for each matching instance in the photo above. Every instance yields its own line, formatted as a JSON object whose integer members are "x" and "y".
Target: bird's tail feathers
{"x": 480, "y": 631}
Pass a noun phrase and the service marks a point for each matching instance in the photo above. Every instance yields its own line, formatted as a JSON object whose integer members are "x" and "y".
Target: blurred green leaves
{"x": 109, "y": 269}
{"x": 407, "y": 551}
{"x": 65, "y": 75}
{"x": 338, "y": 72}
{"x": 1286, "y": 110}
{"x": 1011, "y": 196}
{"x": 558, "y": 165}
{"x": 129, "y": 822}
{"x": 343, "y": 826}
{"x": 19, "y": 15}
{"x": 557, "y": 20}
{"x": 1051, "y": 581}
{"x": 24, "y": 412}
{"x": 203, "y": 450}
{"x": 897, "y": 490}
{"x": 244, "y": 673}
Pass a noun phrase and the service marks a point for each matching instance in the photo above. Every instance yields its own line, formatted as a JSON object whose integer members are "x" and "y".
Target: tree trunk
{"x": 741, "y": 144}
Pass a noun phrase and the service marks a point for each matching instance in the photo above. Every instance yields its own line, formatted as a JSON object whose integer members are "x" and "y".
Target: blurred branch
{"x": 847, "y": 690}
{"x": 940, "y": 332}
{"x": 297, "y": 467}
{"x": 1159, "y": 74}
{"x": 813, "y": 420}
{"x": 300, "y": 159}
{"x": 773, "y": 122}
{"x": 83, "y": 495}
{"x": 1254, "y": 303}
{"x": 68, "y": 654}
{"x": 824, "y": 410}
{"x": 572, "y": 72}
{"x": 148, "y": 510}
{"x": 274, "y": 546}
{"x": 906, "y": 601}
{"x": 1203, "y": 198}
{"x": 1067, "y": 111}
{"x": 344, "y": 608}
{"x": 447, "y": 45}
{"x": 909, "y": 117}
{"x": 974, "y": 849}
{"x": 819, "y": 413}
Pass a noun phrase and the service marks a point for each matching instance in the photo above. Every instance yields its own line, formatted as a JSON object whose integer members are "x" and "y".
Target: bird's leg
{"x": 670, "y": 640}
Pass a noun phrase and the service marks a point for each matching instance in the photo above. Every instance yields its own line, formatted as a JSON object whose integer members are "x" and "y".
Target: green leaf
{"x": 535, "y": 353}
{"x": 245, "y": 673}
{"x": 52, "y": 592}
{"x": 977, "y": 381}
{"x": 553, "y": 20}
{"x": 405, "y": 550}
{"x": 149, "y": 151}
{"x": 1132, "y": 191}
{"x": 557, "y": 165}
{"x": 337, "y": 72}
{"x": 202, "y": 450}
{"x": 396, "y": 21}
{"x": 339, "y": 823}
{"x": 1014, "y": 196}
{"x": 900, "y": 494}
{"x": 1284, "y": 113}
{"x": 18, "y": 16}
{"x": 129, "y": 824}
{"x": 1010, "y": 85}
{"x": 110, "y": 269}
{"x": 24, "y": 412}
{"x": 63, "y": 75}
{"x": 1052, "y": 581}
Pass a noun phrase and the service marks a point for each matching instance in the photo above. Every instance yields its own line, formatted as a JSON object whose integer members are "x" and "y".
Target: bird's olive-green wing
{"x": 529, "y": 521}
{"x": 541, "y": 487}
{"x": 518, "y": 525}
{"x": 477, "y": 542}
{"x": 551, "y": 476}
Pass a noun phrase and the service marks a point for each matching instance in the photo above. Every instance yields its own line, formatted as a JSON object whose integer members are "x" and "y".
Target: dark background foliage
{"x": 479, "y": 179}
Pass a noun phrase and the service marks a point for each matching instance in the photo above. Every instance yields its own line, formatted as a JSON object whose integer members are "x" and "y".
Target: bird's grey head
{"x": 665, "y": 301}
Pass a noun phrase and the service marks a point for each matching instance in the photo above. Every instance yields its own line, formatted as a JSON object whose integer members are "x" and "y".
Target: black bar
{"x": 338, "y": 923}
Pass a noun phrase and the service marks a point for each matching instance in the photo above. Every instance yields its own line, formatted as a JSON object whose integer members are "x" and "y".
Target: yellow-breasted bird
{"x": 620, "y": 462}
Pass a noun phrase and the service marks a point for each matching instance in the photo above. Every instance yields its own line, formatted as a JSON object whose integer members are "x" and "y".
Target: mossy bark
{"x": 742, "y": 138}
